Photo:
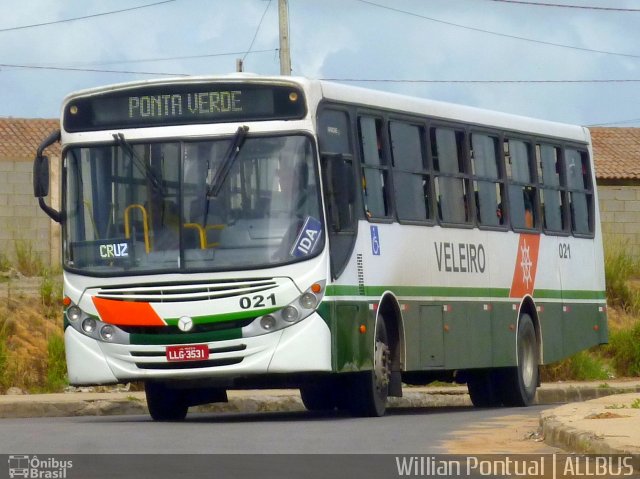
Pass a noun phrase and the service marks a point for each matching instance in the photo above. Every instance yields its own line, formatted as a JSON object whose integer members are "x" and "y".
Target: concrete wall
{"x": 620, "y": 213}
{"x": 21, "y": 219}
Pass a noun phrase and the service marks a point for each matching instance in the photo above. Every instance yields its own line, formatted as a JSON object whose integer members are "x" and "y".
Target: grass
{"x": 56, "y": 378}
{"x": 620, "y": 267}
{"x": 28, "y": 261}
{"x": 582, "y": 366}
{"x": 624, "y": 350}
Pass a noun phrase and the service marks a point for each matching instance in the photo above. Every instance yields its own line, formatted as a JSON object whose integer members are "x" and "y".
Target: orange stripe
{"x": 524, "y": 273}
{"x": 125, "y": 313}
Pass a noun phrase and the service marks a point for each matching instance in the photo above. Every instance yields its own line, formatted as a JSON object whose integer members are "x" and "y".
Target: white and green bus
{"x": 245, "y": 232}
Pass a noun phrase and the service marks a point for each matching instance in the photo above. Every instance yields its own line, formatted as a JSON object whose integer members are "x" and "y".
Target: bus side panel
{"x": 503, "y": 321}
{"x": 551, "y": 326}
{"x": 351, "y": 349}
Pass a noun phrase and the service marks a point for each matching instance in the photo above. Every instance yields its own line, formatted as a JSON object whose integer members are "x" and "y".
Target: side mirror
{"x": 41, "y": 177}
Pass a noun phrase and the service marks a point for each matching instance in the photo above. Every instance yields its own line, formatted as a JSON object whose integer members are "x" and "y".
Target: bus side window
{"x": 522, "y": 191}
{"x": 410, "y": 175}
{"x": 375, "y": 178}
{"x": 578, "y": 176}
{"x": 552, "y": 200}
{"x": 450, "y": 184}
{"x": 485, "y": 161}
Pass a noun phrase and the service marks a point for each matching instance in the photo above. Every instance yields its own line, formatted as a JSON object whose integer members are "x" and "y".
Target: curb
{"x": 95, "y": 404}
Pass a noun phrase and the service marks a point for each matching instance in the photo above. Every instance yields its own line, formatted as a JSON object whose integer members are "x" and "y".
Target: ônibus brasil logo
{"x": 38, "y": 468}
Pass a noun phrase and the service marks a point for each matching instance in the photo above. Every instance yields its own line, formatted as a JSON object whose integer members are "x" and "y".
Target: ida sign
{"x": 308, "y": 238}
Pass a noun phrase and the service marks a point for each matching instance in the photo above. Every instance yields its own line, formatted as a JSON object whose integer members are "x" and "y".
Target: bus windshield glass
{"x": 147, "y": 207}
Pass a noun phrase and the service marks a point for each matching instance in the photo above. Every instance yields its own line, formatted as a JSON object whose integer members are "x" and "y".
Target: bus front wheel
{"x": 165, "y": 404}
{"x": 520, "y": 382}
{"x": 368, "y": 391}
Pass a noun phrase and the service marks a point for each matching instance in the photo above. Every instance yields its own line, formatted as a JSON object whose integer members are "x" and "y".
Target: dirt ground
{"x": 514, "y": 434}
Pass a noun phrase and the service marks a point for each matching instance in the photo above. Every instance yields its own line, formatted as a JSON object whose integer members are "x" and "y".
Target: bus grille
{"x": 186, "y": 291}
{"x": 211, "y": 363}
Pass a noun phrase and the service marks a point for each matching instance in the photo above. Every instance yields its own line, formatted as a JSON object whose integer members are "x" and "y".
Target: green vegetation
{"x": 619, "y": 268}
{"x": 624, "y": 350}
{"x": 28, "y": 262}
{"x": 56, "y": 364}
{"x": 583, "y": 366}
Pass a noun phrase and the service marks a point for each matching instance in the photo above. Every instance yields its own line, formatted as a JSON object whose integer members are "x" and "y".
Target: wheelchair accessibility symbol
{"x": 375, "y": 241}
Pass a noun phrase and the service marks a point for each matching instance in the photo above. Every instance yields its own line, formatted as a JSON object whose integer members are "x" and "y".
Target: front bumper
{"x": 302, "y": 347}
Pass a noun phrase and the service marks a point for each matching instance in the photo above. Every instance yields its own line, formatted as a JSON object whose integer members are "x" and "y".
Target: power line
{"x": 184, "y": 57}
{"x": 393, "y": 80}
{"x": 622, "y": 122}
{"x": 582, "y": 7}
{"x": 255, "y": 35}
{"x": 504, "y": 35}
{"x": 84, "y": 17}
{"x": 88, "y": 70}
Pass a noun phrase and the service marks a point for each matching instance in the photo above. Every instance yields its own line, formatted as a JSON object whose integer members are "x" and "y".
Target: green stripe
{"x": 225, "y": 317}
{"x": 446, "y": 291}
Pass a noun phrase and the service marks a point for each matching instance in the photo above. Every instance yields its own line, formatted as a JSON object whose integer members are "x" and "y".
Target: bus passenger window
{"x": 551, "y": 195}
{"x": 411, "y": 179}
{"x": 450, "y": 182}
{"x": 580, "y": 193}
{"x": 522, "y": 191}
{"x": 488, "y": 187}
{"x": 374, "y": 168}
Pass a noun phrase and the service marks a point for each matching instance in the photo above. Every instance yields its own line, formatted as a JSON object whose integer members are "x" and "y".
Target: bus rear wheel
{"x": 368, "y": 391}
{"x": 165, "y": 404}
{"x": 484, "y": 388}
{"x": 519, "y": 383}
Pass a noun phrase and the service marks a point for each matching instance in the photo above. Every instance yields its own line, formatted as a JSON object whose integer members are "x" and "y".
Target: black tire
{"x": 519, "y": 383}
{"x": 165, "y": 404}
{"x": 319, "y": 397}
{"x": 368, "y": 391}
{"x": 484, "y": 389}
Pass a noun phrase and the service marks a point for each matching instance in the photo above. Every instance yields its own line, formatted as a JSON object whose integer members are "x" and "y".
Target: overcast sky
{"x": 417, "y": 40}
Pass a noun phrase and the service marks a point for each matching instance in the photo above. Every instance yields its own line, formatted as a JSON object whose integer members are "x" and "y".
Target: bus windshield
{"x": 148, "y": 207}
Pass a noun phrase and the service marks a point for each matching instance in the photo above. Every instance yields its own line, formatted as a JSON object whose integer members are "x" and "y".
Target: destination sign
{"x": 183, "y": 104}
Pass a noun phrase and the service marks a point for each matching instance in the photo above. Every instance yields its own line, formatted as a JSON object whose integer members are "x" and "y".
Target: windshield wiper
{"x": 139, "y": 162}
{"x": 213, "y": 188}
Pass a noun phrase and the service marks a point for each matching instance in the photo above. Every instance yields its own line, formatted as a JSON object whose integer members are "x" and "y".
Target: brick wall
{"x": 21, "y": 219}
{"x": 620, "y": 213}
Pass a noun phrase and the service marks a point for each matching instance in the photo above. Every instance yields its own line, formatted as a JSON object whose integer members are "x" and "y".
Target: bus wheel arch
{"x": 389, "y": 308}
{"x": 528, "y": 307}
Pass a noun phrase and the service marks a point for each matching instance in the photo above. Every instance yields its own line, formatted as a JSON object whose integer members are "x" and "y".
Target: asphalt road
{"x": 401, "y": 431}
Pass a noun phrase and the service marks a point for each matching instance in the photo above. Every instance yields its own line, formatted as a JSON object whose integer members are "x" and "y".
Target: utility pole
{"x": 285, "y": 53}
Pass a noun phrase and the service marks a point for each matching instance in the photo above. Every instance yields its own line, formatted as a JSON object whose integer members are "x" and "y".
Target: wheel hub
{"x": 382, "y": 365}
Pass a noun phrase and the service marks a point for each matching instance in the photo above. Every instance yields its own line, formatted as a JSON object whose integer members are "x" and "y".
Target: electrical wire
{"x": 255, "y": 35}
{"x": 558, "y": 5}
{"x": 34, "y": 25}
{"x": 89, "y": 70}
{"x": 504, "y": 35}
{"x": 391, "y": 80}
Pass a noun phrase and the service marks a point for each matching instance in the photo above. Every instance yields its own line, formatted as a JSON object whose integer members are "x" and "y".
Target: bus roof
{"x": 367, "y": 97}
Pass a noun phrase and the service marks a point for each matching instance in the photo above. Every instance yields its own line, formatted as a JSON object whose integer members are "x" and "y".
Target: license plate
{"x": 190, "y": 352}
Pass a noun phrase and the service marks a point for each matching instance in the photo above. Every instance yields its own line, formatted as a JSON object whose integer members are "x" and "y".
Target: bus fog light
{"x": 268, "y": 322}
{"x": 107, "y": 332}
{"x": 290, "y": 313}
{"x": 89, "y": 325}
{"x": 308, "y": 301}
{"x": 74, "y": 314}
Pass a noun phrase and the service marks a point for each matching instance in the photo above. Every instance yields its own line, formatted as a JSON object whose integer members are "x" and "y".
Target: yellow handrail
{"x": 145, "y": 225}
{"x": 213, "y": 227}
{"x": 201, "y": 233}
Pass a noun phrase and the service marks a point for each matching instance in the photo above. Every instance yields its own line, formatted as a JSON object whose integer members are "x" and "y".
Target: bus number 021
{"x": 257, "y": 301}
{"x": 564, "y": 250}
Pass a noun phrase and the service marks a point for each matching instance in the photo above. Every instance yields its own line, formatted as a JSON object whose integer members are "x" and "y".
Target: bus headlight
{"x": 300, "y": 308}
{"x": 107, "y": 332}
{"x": 290, "y": 313}
{"x": 74, "y": 313}
{"x": 268, "y": 322}
{"x": 89, "y": 325}
{"x": 308, "y": 300}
